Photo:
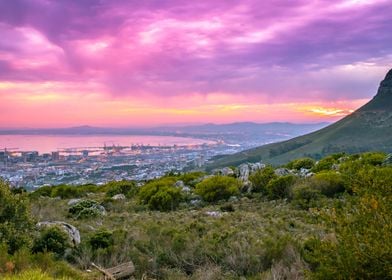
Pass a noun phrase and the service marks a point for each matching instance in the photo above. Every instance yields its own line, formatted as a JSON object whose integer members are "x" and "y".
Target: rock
{"x": 303, "y": 172}
{"x": 214, "y": 214}
{"x": 233, "y": 199}
{"x": 256, "y": 166}
{"x": 226, "y": 171}
{"x": 186, "y": 189}
{"x": 73, "y": 201}
{"x": 388, "y": 160}
{"x": 195, "y": 202}
{"x": 119, "y": 196}
{"x": 72, "y": 231}
{"x": 179, "y": 184}
{"x": 282, "y": 171}
{"x": 244, "y": 171}
{"x": 335, "y": 166}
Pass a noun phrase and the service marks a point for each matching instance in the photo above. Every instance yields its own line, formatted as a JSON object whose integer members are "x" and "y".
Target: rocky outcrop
{"x": 73, "y": 232}
{"x": 282, "y": 171}
{"x": 119, "y": 196}
{"x": 245, "y": 169}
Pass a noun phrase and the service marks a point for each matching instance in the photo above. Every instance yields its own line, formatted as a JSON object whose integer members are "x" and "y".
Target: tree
{"x": 261, "y": 178}
{"x": 281, "y": 187}
{"x": 161, "y": 194}
{"x": 217, "y": 188}
{"x": 16, "y": 224}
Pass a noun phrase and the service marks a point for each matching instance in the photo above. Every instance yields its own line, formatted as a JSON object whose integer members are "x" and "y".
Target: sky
{"x": 145, "y": 63}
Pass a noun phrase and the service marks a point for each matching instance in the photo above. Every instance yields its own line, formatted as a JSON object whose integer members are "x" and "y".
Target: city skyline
{"x": 132, "y": 63}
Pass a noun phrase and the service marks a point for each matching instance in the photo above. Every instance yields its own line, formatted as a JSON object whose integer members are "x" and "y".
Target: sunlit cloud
{"x": 127, "y": 63}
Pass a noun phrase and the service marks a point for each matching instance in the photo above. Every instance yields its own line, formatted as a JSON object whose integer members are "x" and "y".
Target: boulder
{"x": 388, "y": 160}
{"x": 179, "y": 184}
{"x": 243, "y": 171}
{"x": 256, "y": 166}
{"x": 119, "y": 196}
{"x": 282, "y": 171}
{"x": 214, "y": 214}
{"x": 225, "y": 171}
{"x": 72, "y": 231}
{"x": 74, "y": 201}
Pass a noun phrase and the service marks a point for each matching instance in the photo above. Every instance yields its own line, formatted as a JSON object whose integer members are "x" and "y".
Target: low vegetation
{"x": 330, "y": 219}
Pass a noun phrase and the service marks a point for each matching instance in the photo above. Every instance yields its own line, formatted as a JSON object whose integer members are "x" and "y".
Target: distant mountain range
{"x": 367, "y": 129}
{"x": 233, "y": 132}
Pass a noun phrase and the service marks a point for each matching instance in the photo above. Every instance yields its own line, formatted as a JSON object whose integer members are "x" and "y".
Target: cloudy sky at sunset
{"x": 142, "y": 63}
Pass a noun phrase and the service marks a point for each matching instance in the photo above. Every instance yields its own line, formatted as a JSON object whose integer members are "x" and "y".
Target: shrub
{"x": 261, "y": 178}
{"x": 86, "y": 209}
{"x": 304, "y": 196}
{"x": 16, "y": 224}
{"x": 52, "y": 239}
{"x": 217, "y": 188}
{"x": 161, "y": 194}
{"x": 101, "y": 240}
{"x": 281, "y": 187}
{"x": 297, "y": 164}
{"x": 329, "y": 183}
{"x": 65, "y": 192}
{"x": 190, "y": 179}
{"x": 324, "y": 164}
{"x": 128, "y": 188}
{"x": 374, "y": 159}
{"x": 362, "y": 243}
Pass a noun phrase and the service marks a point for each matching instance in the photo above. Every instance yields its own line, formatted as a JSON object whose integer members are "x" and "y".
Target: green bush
{"x": 85, "y": 209}
{"x": 329, "y": 183}
{"x": 16, "y": 224}
{"x": 280, "y": 187}
{"x": 297, "y": 164}
{"x": 190, "y": 179}
{"x": 65, "y": 192}
{"x": 361, "y": 247}
{"x": 261, "y": 178}
{"x": 52, "y": 239}
{"x": 161, "y": 194}
{"x": 217, "y": 188}
{"x": 375, "y": 159}
{"x": 101, "y": 240}
{"x": 324, "y": 164}
{"x": 305, "y": 196}
{"x": 128, "y": 188}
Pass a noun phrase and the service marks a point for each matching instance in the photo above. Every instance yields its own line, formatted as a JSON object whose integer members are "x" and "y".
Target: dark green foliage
{"x": 191, "y": 179}
{"x": 329, "y": 183}
{"x": 297, "y": 164}
{"x": 85, "y": 209}
{"x": 101, "y": 240}
{"x": 261, "y": 178}
{"x": 305, "y": 196}
{"x": 227, "y": 207}
{"x": 52, "y": 239}
{"x": 217, "y": 188}
{"x": 281, "y": 187}
{"x": 373, "y": 158}
{"x": 16, "y": 224}
{"x": 161, "y": 194}
{"x": 362, "y": 243}
{"x": 66, "y": 191}
{"x": 324, "y": 164}
{"x": 128, "y": 188}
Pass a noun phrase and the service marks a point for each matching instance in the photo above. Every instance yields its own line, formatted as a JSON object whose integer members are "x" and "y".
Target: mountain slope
{"x": 368, "y": 128}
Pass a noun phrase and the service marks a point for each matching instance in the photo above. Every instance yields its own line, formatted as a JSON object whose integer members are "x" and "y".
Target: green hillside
{"x": 367, "y": 129}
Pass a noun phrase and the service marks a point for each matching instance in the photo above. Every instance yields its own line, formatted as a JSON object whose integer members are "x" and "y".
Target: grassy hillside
{"x": 367, "y": 129}
{"x": 293, "y": 226}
